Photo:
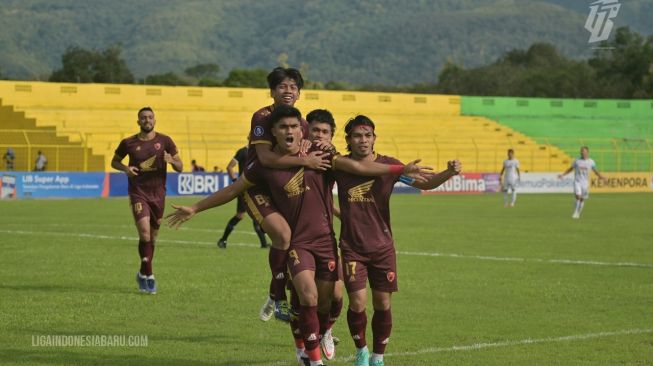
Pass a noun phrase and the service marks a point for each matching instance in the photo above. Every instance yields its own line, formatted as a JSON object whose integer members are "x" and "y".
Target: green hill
{"x": 392, "y": 42}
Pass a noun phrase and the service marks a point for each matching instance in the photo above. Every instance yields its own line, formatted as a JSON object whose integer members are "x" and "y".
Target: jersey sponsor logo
{"x": 357, "y": 193}
{"x": 332, "y": 266}
{"x": 293, "y": 255}
{"x": 258, "y": 131}
{"x": 148, "y": 165}
{"x": 157, "y": 146}
{"x": 295, "y": 185}
{"x": 391, "y": 276}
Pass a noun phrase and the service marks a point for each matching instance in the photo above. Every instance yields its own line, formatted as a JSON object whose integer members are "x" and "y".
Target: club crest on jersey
{"x": 332, "y": 266}
{"x": 258, "y": 131}
{"x": 295, "y": 185}
{"x": 390, "y": 276}
{"x": 157, "y": 146}
{"x": 357, "y": 194}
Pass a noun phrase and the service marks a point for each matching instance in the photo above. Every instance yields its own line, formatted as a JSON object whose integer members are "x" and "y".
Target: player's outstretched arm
{"x": 219, "y": 198}
{"x": 374, "y": 169}
{"x": 454, "y": 167}
{"x": 566, "y": 172}
{"x": 270, "y": 159}
{"x": 601, "y": 177}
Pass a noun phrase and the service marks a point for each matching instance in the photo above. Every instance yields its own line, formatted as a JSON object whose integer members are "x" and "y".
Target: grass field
{"x": 479, "y": 285}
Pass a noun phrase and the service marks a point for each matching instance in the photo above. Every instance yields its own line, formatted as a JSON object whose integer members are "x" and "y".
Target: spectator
{"x": 9, "y": 159}
{"x": 40, "y": 163}
{"x": 195, "y": 167}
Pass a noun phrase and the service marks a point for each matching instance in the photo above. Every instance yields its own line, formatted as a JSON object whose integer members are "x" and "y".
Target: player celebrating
{"x": 149, "y": 153}
{"x": 509, "y": 176}
{"x": 366, "y": 242}
{"x": 312, "y": 257}
{"x": 285, "y": 87}
{"x": 239, "y": 159}
{"x": 581, "y": 168}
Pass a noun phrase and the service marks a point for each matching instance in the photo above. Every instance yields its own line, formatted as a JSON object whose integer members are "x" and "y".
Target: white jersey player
{"x": 509, "y": 177}
{"x": 581, "y": 168}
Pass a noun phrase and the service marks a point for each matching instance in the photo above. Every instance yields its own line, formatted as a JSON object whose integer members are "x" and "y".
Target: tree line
{"x": 620, "y": 68}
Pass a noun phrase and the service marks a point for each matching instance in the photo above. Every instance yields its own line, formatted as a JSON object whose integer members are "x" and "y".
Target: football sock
{"x": 278, "y": 264}
{"x": 336, "y": 309}
{"x": 376, "y": 356}
{"x": 514, "y": 197}
{"x": 577, "y": 206}
{"x": 580, "y": 206}
{"x": 310, "y": 327}
{"x": 505, "y": 198}
{"x": 261, "y": 234}
{"x": 230, "y": 227}
{"x": 324, "y": 322}
{"x": 357, "y": 323}
{"x": 146, "y": 253}
{"x": 381, "y": 328}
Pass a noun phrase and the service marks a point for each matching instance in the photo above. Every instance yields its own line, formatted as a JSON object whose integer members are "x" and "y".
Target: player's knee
{"x": 240, "y": 215}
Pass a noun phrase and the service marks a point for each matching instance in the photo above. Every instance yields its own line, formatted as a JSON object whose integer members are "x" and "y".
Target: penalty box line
{"x": 407, "y": 253}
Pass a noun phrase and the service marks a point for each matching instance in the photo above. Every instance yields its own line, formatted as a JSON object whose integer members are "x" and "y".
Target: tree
{"x": 85, "y": 66}
{"x": 169, "y": 78}
{"x": 205, "y": 74}
{"x": 256, "y": 78}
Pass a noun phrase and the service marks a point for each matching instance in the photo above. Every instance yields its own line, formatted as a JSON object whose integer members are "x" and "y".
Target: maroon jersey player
{"x": 366, "y": 242}
{"x": 149, "y": 153}
{"x": 285, "y": 87}
{"x": 302, "y": 196}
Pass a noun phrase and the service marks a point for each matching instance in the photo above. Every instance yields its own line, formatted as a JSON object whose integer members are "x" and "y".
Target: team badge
{"x": 138, "y": 148}
{"x": 157, "y": 146}
{"x": 332, "y": 266}
{"x": 258, "y": 131}
{"x": 390, "y": 276}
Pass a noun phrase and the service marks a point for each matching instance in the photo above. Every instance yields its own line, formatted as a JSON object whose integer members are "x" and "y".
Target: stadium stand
{"x": 210, "y": 124}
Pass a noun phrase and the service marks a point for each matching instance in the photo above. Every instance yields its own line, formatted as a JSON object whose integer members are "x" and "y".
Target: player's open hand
{"x": 318, "y": 160}
{"x": 455, "y": 166}
{"x": 326, "y": 146}
{"x": 304, "y": 146}
{"x": 413, "y": 168}
{"x": 132, "y": 171}
{"x": 181, "y": 215}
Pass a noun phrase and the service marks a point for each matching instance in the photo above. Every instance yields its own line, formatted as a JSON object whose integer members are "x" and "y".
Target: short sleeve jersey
{"x": 582, "y": 169}
{"x": 365, "y": 209}
{"x": 302, "y": 197}
{"x": 510, "y": 167}
{"x": 260, "y": 132}
{"x": 147, "y": 156}
{"x": 241, "y": 158}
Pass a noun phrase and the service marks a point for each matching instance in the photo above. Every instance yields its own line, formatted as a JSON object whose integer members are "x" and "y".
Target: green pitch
{"x": 479, "y": 285}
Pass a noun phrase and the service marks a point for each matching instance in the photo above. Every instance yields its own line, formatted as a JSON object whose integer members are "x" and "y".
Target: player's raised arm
{"x": 270, "y": 159}
{"x": 374, "y": 169}
{"x": 219, "y": 198}
{"x": 454, "y": 167}
{"x": 571, "y": 168}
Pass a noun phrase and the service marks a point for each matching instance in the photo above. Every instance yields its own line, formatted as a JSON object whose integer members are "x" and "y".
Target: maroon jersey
{"x": 365, "y": 209}
{"x": 260, "y": 132}
{"x": 148, "y": 157}
{"x": 301, "y": 196}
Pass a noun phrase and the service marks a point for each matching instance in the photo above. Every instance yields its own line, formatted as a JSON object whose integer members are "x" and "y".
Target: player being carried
{"x": 149, "y": 153}
{"x": 509, "y": 176}
{"x": 581, "y": 167}
{"x": 302, "y": 197}
{"x": 366, "y": 242}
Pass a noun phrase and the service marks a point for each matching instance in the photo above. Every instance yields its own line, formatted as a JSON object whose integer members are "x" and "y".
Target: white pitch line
{"x": 419, "y": 254}
{"x": 484, "y": 345}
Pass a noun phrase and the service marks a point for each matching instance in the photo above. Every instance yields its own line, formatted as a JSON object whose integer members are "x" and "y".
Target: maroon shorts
{"x": 379, "y": 267}
{"x": 259, "y": 204}
{"x": 147, "y": 207}
{"x": 321, "y": 258}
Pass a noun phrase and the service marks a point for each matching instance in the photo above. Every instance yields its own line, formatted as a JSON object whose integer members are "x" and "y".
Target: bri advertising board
{"x": 177, "y": 184}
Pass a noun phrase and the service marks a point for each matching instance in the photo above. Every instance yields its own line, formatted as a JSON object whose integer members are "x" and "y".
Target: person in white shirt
{"x": 509, "y": 177}
{"x": 581, "y": 167}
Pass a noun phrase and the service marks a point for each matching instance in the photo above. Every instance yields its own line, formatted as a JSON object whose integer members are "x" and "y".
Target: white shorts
{"x": 509, "y": 184}
{"x": 582, "y": 190}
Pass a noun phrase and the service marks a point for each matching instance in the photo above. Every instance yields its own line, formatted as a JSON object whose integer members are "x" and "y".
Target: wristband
{"x": 407, "y": 180}
{"x": 396, "y": 169}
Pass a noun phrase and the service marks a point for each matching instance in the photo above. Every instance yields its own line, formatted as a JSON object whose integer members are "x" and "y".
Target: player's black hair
{"x": 279, "y": 74}
{"x": 283, "y": 111}
{"x": 511, "y": 151}
{"x": 585, "y": 147}
{"x": 324, "y": 116}
{"x": 143, "y": 110}
{"x": 359, "y": 120}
